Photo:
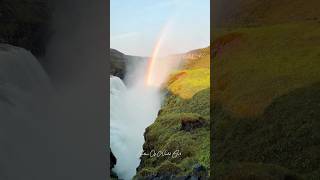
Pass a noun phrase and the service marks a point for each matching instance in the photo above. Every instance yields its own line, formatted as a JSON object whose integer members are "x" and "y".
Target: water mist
{"x": 133, "y": 109}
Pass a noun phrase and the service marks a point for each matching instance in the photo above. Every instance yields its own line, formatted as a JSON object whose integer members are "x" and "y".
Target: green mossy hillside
{"x": 166, "y": 133}
{"x": 183, "y": 123}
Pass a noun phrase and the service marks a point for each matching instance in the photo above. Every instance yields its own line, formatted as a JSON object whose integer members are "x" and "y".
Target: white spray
{"x": 132, "y": 110}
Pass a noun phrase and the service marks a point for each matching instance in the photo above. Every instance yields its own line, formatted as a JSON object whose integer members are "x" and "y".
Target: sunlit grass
{"x": 186, "y": 83}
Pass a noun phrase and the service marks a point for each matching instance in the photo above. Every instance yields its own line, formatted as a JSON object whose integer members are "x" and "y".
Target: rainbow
{"x": 150, "y": 80}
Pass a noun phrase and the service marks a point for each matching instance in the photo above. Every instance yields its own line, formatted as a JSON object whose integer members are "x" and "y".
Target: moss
{"x": 183, "y": 123}
{"x": 168, "y": 167}
{"x": 189, "y": 82}
{"x": 165, "y": 134}
{"x": 199, "y": 103}
{"x": 147, "y": 172}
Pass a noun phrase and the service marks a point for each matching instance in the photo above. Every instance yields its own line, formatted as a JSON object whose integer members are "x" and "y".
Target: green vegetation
{"x": 166, "y": 133}
{"x": 188, "y": 82}
{"x": 194, "y": 75}
{"x": 183, "y": 123}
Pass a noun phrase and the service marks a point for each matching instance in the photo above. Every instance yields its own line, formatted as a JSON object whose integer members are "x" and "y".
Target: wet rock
{"x": 160, "y": 112}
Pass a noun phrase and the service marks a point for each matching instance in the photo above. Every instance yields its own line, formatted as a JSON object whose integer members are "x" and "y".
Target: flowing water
{"x": 135, "y": 107}
{"x": 132, "y": 109}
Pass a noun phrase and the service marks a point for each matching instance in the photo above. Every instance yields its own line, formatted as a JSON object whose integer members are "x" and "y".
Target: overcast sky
{"x": 137, "y": 24}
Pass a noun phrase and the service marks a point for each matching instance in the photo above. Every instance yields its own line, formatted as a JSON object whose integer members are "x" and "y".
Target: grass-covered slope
{"x": 193, "y": 76}
{"x": 266, "y": 91}
{"x": 183, "y": 124}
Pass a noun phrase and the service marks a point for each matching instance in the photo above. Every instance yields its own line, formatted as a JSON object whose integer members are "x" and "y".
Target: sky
{"x": 137, "y": 25}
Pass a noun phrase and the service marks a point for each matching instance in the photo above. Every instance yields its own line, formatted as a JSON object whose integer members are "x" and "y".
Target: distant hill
{"x": 120, "y": 62}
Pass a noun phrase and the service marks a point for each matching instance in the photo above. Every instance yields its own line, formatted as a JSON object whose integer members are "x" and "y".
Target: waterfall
{"x": 132, "y": 109}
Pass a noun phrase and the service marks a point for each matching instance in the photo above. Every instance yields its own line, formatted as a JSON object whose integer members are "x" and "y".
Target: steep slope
{"x": 182, "y": 124}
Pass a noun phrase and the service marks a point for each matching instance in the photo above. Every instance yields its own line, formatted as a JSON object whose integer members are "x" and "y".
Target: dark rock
{"x": 200, "y": 172}
{"x": 189, "y": 124}
{"x": 113, "y": 160}
{"x": 159, "y": 112}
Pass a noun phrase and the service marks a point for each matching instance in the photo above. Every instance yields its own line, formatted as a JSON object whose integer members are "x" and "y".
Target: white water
{"x": 132, "y": 109}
